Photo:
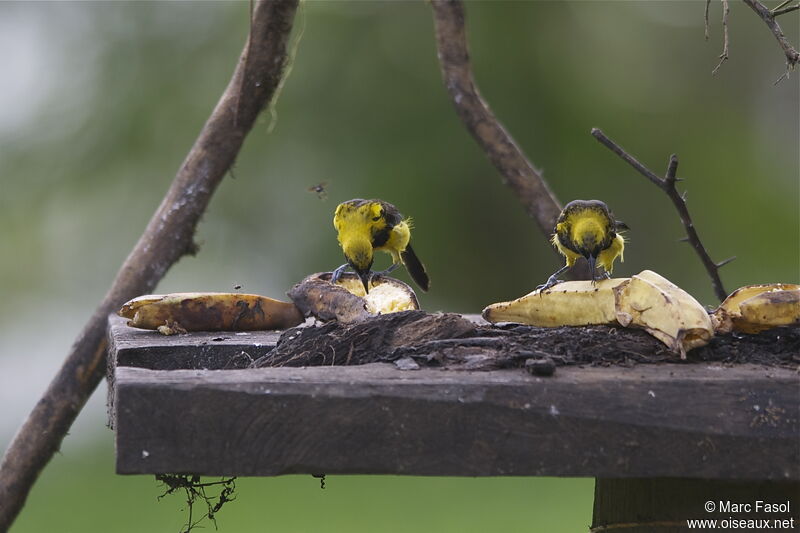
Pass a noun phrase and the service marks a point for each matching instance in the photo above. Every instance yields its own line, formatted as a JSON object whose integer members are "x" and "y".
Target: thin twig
{"x": 774, "y": 9}
{"x": 723, "y": 57}
{"x": 168, "y": 236}
{"x": 667, "y": 184}
{"x": 705, "y": 18}
{"x": 779, "y": 12}
{"x": 792, "y": 56}
{"x": 504, "y": 153}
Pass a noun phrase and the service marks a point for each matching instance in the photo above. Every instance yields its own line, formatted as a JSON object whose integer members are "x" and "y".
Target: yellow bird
{"x": 364, "y": 226}
{"x": 586, "y": 228}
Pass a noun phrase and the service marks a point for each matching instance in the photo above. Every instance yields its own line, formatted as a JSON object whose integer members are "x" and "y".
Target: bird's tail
{"x": 415, "y": 267}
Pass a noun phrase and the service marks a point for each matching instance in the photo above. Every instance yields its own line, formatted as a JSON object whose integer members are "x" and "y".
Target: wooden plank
{"x": 693, "y": 421}
{"x": 144, "y": 348}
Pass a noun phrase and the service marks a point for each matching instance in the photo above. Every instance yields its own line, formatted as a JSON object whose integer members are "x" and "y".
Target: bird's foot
{"x": 387, "y": 271}
{"x": 552, "y": 280}
{"x": 338, "y": 273}
{"x": 601, "y": 277}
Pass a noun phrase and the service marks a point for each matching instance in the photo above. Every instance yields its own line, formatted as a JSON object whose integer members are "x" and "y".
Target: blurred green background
{"x": 101, "y": 102}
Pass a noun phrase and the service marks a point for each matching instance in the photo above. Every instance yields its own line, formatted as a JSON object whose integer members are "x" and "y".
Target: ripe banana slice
{"x": 646, "y": 300}
{"x": 384, "y": 296}
{"x": 664, "y": 310}
{"x": 571, "y": 303}
{"x": 209, "y": 311}
{"x": 755, "y": 308}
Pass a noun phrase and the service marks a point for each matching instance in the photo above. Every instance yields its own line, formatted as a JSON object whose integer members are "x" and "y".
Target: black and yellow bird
{"x": 364, "y": 226}
{"x": 586, "y": 228}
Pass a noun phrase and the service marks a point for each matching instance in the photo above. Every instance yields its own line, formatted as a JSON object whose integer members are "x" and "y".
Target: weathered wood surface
{"x": 694, "y": 421}
{"x": 216, "y": 350}
{"x": 143, "y": 348}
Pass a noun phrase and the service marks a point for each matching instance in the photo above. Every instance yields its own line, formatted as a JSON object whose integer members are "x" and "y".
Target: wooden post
{"x": 664, "y": 505}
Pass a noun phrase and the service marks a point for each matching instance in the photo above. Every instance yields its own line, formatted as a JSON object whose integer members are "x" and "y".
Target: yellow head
{"x": 587, "y": 228}
{"x": 357, "y": 222}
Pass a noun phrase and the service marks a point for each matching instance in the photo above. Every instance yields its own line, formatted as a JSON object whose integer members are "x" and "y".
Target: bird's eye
{"x": 376, "y": 218}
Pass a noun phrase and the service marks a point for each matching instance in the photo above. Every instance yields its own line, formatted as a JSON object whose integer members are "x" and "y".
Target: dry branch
{"x": 168, "y": 236}
{"x": 723, "y": 57}
{"x": 517, "y": 171}
{"x": 792, "y": 56}
{"x": 667, "y": 184}
{"x": 768, "y": 16}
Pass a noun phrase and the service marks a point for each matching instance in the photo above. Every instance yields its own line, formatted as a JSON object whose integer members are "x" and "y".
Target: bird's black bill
{"x": 592, "y": 266}
{"x": 365, "y": 277}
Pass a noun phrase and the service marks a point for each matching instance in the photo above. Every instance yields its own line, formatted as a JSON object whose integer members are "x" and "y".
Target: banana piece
{"x": 346, "y": 302}
{"x": 383, "y": 296}
{"x": 755, "y": 308}
{"x": 209, "y": 311}
{"x": 646, "y": 300}
{"x": 570, "y": 303}
{"x": 664, "y": 310}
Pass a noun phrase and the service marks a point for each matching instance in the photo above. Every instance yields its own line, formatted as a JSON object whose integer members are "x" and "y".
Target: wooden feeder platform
{"x": 186, "y": 404}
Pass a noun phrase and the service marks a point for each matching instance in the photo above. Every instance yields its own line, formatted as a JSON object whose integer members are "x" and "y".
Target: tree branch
{"x": 792, "y": 56}
{"x": 667, "y": 184}
{"x": 168, "y": 236}
{"x": 518, "y": 173}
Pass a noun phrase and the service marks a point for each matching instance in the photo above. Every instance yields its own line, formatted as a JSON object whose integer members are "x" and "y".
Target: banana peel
{"x": 664, "y": 310}
{"x": 346, "y": 301}
{"x": 756, "y": 308}
{"x": 209, "y": 311}
{"x": 646, "y": 300}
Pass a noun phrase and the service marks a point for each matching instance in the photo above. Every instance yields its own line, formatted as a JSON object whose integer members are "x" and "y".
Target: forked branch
{"x": 667, "y": 184}
{"x": 792, "y": 56}
{"x": 768, "y": 16}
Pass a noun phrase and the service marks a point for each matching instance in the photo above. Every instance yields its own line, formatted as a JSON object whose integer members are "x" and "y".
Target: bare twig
{"x": 667, "y": 184}
{"x": 778, "y": 12}
{"x": 792, "y": 56}
{"x": 517, "y": 171}
{"x": 168, "y": 236}
{"x": 724, "y": 55}
{"x": 705, "y": 18}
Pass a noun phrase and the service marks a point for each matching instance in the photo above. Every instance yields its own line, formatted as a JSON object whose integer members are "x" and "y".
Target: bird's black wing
{"x": 415, "y": 268}
{"x": 390, "y": 214}
{"x": 391, "y": 217}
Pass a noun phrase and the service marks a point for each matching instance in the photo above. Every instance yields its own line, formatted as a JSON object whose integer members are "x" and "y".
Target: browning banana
{"x": 209, "y": 311}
